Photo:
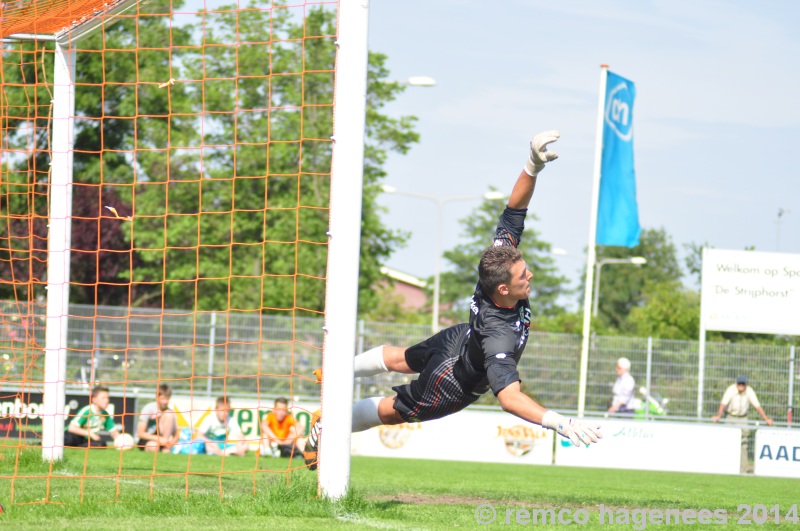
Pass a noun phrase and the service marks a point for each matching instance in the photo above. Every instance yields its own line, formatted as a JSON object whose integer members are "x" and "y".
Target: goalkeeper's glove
{"x": 575, "y": 430}
{"x": 540, "y": 155}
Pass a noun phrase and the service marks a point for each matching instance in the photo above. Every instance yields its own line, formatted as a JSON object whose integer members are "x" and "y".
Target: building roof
{"x": 405, "y": 278}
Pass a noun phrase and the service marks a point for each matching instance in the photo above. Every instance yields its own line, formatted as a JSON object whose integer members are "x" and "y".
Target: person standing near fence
{"x": 624, "y": 388}
{"x": 735, "y": 404}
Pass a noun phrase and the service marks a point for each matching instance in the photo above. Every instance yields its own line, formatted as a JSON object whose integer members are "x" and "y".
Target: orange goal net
{"x": 197, "y": 256}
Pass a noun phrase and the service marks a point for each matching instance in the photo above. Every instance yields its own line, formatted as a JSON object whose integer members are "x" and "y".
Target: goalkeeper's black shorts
{"x": 436, "y": 393}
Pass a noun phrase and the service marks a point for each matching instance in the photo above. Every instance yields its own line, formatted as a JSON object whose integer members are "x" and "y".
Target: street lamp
{"x": 415, "y": 81}
{"x": 421, "y": 81}
{"x": 635, "y": 260}
{"x": 440, "y": 202}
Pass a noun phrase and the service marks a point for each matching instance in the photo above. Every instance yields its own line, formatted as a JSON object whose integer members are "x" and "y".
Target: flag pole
{"x": 590, "y": 254}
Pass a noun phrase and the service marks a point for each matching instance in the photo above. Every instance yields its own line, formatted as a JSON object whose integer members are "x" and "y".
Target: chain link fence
{"x": 250, "y": 354}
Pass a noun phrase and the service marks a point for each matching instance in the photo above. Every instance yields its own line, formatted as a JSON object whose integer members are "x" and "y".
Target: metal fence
{"x": 247, "y": 354}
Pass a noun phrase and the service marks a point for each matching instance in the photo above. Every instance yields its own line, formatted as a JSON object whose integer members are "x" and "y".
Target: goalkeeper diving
{"x": 459, "y": 364}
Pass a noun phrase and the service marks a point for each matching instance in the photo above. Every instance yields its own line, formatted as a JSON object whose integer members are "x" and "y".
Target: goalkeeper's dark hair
{"x": 495, "y": 266}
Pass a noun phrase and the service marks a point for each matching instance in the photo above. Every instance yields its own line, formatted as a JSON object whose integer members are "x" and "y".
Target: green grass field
{"x": 385, "y": 493}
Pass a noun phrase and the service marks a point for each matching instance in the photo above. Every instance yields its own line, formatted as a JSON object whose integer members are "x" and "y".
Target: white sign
{"x": 666, "y": 446}
{"x": 777, "y": 453}
{"x": 481, "y": 436}
{"x": 748, "y": 291}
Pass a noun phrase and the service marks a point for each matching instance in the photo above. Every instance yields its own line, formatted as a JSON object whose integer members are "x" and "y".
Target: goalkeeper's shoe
{"x": 311, "y": 449}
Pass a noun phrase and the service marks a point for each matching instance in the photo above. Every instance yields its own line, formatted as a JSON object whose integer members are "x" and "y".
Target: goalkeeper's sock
{"x": 312, "y": 443}
{"x": 365, "y": 414}
{"x": 370, "y": 363}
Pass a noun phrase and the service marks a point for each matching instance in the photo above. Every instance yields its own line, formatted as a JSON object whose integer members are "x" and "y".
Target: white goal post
{"x": 344, "y": 236}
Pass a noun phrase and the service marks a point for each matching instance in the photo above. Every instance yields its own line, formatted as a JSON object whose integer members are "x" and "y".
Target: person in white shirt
{"x": 623, "y": 388}
{"x": 220, "y": 431}
{"x": 737, "y": 400}
{"x": 735, "y": 404}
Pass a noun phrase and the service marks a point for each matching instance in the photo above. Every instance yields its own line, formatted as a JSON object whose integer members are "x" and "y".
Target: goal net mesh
{"x": 200, "y": 202}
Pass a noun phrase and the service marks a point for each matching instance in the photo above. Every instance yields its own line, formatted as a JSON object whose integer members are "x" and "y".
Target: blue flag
{"x": 617, "y": 212}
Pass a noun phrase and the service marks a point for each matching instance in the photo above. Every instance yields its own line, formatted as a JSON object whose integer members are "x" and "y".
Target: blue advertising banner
{"x": 617, "y": 211}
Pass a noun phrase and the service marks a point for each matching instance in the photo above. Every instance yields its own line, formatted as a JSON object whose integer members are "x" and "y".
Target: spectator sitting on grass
{"x": 158, "y": 425}
{"x": 83, "y": 430}
{"x": 220, "y": 431}
{"x": 279, "y": 432}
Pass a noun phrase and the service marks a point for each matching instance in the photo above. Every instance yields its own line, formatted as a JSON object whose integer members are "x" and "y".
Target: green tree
{"x": 458, "y": 284}
{"x": 669, "y": 311}
{"x": 694, "y": 260}
{"x": 622, "y": 286}
{"x": 119, "y": 129}
{"x": 225, "y": 172}
{"x": 126, "y": 125}
{"x": 226, "y": 175}
{"x": 25, "y": 109}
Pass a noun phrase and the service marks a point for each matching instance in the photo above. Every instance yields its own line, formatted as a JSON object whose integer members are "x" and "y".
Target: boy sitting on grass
{"x": 221, "y": 432}
{"x": 158, "y": 424}
{"x": 83, "y": 430}
{"x": 279, "y": 432}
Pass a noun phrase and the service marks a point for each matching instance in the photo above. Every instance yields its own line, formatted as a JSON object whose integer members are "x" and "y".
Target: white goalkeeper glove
{"x": 540, "y": 155}
{"x": 575, "y": 430}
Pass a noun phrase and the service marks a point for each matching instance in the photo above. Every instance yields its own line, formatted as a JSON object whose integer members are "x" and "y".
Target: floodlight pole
{"x": 344, "y": 236}
{"x": 59, "y": 238}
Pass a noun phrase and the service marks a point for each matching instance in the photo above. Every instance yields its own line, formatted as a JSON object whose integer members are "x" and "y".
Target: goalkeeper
{"x": 459, "y": 364}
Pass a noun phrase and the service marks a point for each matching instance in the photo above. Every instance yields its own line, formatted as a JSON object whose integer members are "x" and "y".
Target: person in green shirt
{"x": 83, "y": 429}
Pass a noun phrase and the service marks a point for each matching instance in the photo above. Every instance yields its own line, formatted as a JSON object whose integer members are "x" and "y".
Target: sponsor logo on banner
{"x": 777, "y": 452}
{"x": 634, "y": 432}
{"x": 625, "y": 432}
{"x": 520, "y": 440}
{"x": 618, "y": 111}
{"x": 780, "y": 453}
{"x": 394, "y": 437}
{"x": 21, "y": 412}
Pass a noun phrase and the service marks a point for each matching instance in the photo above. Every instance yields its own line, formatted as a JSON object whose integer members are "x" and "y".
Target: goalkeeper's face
{"x": 519, "y": 286}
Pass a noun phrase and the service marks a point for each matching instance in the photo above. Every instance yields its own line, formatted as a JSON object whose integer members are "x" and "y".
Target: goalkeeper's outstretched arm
{"x": 539, "y": 156}
{"x": 514, "y": 401}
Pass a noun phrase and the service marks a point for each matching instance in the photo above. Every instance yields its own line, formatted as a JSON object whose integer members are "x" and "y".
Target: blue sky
{"x": 717, "y": 125}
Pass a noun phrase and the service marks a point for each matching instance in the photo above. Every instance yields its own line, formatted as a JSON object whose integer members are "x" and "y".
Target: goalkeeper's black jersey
{"x": 497, "y": 335}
